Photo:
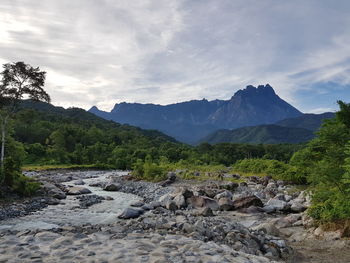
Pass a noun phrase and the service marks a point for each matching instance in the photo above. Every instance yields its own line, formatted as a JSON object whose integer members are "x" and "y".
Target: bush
{"x": 25, "y": 186}
{"x": 149, "y": 171}
{"x": 276, "y": 169}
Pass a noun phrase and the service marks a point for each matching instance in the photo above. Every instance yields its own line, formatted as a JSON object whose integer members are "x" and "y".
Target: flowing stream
{"x": 68, "y": 212}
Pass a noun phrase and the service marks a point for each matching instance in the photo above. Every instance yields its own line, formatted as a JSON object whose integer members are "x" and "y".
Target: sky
{"x": 102, "y": 52}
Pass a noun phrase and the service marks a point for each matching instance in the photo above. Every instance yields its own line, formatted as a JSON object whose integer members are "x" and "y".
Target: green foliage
{"x": 149, "y": 170}
{"x": 276, "y": 169}
{"x": 325, "y": 163}
{"x": 25, "y": 186}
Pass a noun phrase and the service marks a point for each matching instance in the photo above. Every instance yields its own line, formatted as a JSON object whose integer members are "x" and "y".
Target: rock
{"x": 226, "y": 204}
{"x": 131, "y": 213}
{"x": 86, "y": 201}
{"x": 205, "y": 212}
{"x": 97, "y": 184}
{"x": 269, "y": 209}
{"x": 185, "y": 192}
{"x": 79, "y": 182}
{"x": 53, "y": 201}
{"x": 53, "y": 191}
{"x": 245, "y": 202}
{"x": 225, "y": 193}
{"x": 171, "y": 205}
{"x": 164, "y": 199}
{"x": 109, "y": 198}
{"x": 203, "y": 201}
{"x": 77, "y": 190}
{"x": 112, "y": 187}
{"x": 171, "y": 177}
{"x": 278, "y": 205}
{"x": 297, "y": 207}
{"x": 268, "y": 228}
{"x": 180, "y": 201}
{"x": 231, "y": 186}
{"x": 137, "y": 204}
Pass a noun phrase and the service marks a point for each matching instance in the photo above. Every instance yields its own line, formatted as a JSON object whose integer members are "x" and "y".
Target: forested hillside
{"x": 53, "y": 135}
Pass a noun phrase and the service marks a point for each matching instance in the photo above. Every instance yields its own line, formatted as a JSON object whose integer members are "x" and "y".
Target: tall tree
{"x": 19, "y": 81}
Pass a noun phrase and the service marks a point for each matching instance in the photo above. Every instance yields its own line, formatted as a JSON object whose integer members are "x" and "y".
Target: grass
{"x": 64, "y": 166}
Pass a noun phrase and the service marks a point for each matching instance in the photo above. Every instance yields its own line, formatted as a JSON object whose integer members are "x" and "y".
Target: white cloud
{"x": 102, "y": 52}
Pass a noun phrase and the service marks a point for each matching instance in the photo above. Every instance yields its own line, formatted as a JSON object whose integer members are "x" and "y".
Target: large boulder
{"x": 247, "y": 201}
{"x": 225, "y": 193}
{"x": 226, "y": 204}
{"x": 112, "y": 187}
{"x": 77, "y": 190}
{"x": 164, "y": 199}
{"x": 131, "y": 213}
{"x": 278, "y": 205}
{"x": 53, "y": 191}
{"x": 180, "y": 201}
{"x": 203, "y": 201}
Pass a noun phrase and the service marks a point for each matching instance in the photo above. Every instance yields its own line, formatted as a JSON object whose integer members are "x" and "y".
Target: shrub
{"x": 276, "y": 169}
{"x": 25, "y": 186}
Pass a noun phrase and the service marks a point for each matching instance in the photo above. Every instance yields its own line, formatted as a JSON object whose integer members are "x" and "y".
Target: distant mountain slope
{"x": 307, "y": 121}
{"x": 189, "y": 121}
{"x": 292, "y": 130}
{"x": 87, "y": 119}
{"x": 265, "y": 134}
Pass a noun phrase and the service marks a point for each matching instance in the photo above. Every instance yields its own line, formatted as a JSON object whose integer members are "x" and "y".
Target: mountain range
{"x": 192, "y": 120}
{"x": 293, "y": 130}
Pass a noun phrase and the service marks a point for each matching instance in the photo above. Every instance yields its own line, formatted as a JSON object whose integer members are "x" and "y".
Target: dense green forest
{"x": 53, "y": 135}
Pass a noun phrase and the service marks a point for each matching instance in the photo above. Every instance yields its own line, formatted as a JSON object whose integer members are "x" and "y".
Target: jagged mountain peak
{"x": 191, "y": 120}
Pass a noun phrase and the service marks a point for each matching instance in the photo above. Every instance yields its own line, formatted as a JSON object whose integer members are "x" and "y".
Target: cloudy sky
{"x": 99, "y": 52}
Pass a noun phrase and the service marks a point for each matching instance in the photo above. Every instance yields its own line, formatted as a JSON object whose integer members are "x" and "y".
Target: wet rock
{"x": 77, "y": 190}
{"x": 131, "y": 213}
{"x": 86, "y": 201}
{"x": 53, "y": 191}
{"x": 247, "y": 201}
{"x": 79, "y": 182}
{"x": 112, "y": 187}
{"x": 97, "y": 184}
{"x": 202, "y": 201}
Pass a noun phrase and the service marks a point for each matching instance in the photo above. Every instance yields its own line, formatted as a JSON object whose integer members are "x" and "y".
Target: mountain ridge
{"x": 191, "y": 120}
{"x": 292, "y": 130}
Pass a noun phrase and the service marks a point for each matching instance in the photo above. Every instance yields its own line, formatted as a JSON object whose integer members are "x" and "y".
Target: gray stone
{"x": 180, "y": 201}
{"x": 279, "y": 205}
{"x": 77, "y": 190}
{"x": 112, "y": 187}
{"x": 226, "y": 204}
{"x": 203, "y": 201}
{"x": 225, "y": 193}
{"x": 131, "y": 213}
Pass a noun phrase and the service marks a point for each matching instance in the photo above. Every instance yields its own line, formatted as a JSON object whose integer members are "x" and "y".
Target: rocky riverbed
{"x": 105, "y": 216}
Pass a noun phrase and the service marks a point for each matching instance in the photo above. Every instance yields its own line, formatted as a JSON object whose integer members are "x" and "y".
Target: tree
{"x": 19, "y": 81}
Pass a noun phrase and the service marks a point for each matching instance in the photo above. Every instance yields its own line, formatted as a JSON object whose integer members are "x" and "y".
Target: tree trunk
{"x": 3, "y": 140}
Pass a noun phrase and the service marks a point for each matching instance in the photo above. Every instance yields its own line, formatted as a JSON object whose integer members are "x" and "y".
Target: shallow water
{"x": 68, "y": 213}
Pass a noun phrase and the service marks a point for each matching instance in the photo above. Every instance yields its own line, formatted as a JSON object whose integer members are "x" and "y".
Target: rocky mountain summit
{"x": 192, "y": 120}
